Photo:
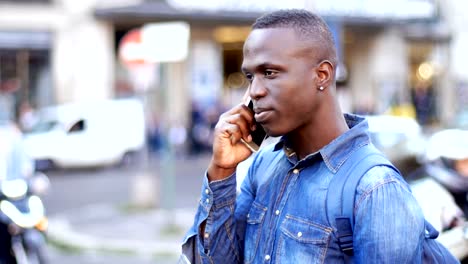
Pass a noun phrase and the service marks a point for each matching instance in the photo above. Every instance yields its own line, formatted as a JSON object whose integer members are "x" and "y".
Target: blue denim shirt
{"x": 279, "y": 215}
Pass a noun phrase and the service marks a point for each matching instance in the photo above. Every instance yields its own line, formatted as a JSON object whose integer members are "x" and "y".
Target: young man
{"x": 280, "y": 215}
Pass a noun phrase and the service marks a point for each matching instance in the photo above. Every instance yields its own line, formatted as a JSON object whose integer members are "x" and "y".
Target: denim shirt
{"x": 280, "y": 214}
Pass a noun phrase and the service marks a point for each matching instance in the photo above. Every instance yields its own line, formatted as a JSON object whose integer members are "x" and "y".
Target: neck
{"x": 324, "y": 128}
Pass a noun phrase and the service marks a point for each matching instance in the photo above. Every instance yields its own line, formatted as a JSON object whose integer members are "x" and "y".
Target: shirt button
{"x": 248, "y": 215}
{"x": 299, "y": 234}
{"x": 207, "y": 235}
{"x": 207, "y": 191}
{"x": 295, "y": 171}
{"x": 267, "y": 257}
{"x": 277, "y": 212}
{"x": 207, "y": 200}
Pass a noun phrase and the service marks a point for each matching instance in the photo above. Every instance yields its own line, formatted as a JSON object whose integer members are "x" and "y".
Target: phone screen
{"x": 259, "y": 134}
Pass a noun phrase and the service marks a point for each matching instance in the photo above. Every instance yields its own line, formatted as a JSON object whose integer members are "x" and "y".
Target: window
{"x": 77, "y": 127}
{"x": 24, "y": 79}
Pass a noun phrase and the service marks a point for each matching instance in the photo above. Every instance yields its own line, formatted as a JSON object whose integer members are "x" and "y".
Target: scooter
{"x": 440, "y": 185}
{"x": 447, "y": 163}
{"x": 23, "y": 220}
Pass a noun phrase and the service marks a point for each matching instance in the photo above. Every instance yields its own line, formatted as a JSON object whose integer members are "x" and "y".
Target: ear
{"x": 325, "y": 74}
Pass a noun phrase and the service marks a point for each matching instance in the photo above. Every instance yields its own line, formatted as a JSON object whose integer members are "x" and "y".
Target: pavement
{"x": 110, "y": 228}
{"x": 147, "y": 233}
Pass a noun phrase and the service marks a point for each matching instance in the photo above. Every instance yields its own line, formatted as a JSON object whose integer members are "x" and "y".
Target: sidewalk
{"x": 110, "y": 229}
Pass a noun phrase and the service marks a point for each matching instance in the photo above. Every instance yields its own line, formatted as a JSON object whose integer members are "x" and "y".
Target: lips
{"x": 262, "y": 114}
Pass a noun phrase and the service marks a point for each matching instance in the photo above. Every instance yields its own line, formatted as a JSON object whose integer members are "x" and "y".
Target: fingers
{"x": 233, "y": 132}
{"x": 237, "y": 123}
{"x": 240, "y": 127}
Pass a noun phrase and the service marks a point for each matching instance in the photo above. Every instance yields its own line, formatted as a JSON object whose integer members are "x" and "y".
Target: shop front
{"x": 25, "y": 82}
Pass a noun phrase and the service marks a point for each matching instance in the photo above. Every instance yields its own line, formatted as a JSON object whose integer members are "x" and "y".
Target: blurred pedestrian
{"x": 195, "y": 131}
{"x": 177, "y": 137}
{"x": 447, "y": 163}
{"x": 27, "y": 116}
{"x": 154, "y": 133}
{"x": 423, "y": 101}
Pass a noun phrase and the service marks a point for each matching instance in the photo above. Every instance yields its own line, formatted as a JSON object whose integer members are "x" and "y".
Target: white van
{"x": 87, "y": 134}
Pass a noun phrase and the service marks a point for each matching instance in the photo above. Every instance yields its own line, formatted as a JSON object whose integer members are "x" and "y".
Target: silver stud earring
{"x": 321, "y": 88}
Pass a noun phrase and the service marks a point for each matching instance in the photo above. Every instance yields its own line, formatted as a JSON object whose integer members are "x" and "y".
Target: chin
{"x": 272, "y": 132}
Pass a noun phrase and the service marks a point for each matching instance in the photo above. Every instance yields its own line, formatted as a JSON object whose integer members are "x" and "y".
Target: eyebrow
{"x": 261, "y": 66}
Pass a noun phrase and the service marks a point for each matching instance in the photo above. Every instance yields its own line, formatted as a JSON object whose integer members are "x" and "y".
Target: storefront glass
{"x": 25, "y": 82}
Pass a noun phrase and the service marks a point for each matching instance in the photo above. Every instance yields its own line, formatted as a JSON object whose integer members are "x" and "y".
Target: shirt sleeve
{"x": 389, "y": 224}
{"x": 219, "y": 243}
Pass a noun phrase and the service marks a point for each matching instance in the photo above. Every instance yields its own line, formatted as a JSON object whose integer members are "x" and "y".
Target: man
{"x": 280, "y": 215}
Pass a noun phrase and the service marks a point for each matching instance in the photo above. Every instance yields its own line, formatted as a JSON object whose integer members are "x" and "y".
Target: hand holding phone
{"x": 258, "y": 135}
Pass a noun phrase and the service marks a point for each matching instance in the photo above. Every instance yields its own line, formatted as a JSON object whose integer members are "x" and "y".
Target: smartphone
{"x": 258, "y": 135}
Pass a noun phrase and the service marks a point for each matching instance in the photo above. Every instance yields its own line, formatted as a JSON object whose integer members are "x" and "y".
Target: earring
{"x": 321, "y": 88}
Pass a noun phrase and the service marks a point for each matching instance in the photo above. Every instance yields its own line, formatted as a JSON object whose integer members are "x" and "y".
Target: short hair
{"x": 306, "y": 23}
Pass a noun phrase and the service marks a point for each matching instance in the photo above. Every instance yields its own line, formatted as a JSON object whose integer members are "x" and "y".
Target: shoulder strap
{"x": 342, "y": 190}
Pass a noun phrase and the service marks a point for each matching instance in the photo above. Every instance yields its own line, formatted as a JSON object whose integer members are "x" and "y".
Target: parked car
{"x": 81, "y": 135}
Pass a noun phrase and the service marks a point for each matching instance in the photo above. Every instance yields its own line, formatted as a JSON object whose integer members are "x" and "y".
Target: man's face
{"x": 461, "y": 166}
{"x": 280, "y": 68}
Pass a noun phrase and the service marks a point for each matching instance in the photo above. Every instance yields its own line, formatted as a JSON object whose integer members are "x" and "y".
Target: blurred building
{"x": 53, "y": 51}
{"x": 392, "y": 52}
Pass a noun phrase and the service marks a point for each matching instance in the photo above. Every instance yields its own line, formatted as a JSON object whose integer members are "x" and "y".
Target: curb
{"x": 62, "y": 232}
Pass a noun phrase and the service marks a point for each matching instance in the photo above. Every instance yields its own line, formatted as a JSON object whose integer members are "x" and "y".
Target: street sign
{"x": 131, "y": 50}
{"x": 155, "y": 43}
{"x": 166, "y": 42}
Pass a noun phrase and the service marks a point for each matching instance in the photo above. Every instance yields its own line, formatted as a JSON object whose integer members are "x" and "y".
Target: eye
{"x": 249, "y": 77}
{"x": 270, "y": 73}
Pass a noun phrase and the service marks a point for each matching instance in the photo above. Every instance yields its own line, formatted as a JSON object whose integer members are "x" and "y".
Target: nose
{"x": 257, "y": 88}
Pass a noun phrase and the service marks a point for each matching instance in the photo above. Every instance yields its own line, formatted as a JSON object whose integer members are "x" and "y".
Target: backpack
{"x": 340, "y": 205}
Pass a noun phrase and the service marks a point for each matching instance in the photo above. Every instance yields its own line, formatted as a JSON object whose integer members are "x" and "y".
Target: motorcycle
{"x": 23, "y": 221}
{"x": 22, "y": 213}
{"x": 440, "y": 185}
{"x": 447, "y": 163}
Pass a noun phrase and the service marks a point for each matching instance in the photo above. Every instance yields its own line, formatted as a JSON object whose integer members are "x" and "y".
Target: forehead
{"x": 273, "y": 43}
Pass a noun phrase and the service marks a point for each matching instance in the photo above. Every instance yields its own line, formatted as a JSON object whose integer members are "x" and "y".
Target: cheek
{"x": 288, "y": 117}
{"x": 292, "y": 102}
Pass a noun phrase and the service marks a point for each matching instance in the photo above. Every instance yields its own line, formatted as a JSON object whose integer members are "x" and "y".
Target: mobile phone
{"x": 258, "y": 135}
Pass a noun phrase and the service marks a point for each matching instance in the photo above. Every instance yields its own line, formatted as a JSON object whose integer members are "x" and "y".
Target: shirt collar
{"x": 337, "y": 151}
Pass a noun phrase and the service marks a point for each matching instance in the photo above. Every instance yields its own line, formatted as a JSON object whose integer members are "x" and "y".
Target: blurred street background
{"x": 82, "y": 193}
{"x": 116, "y": 101}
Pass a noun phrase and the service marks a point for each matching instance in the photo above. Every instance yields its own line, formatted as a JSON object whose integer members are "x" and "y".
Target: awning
{"x": 155, "y": 11}
{"x": 25, "y": 40}
{"x": 161, "y": 11}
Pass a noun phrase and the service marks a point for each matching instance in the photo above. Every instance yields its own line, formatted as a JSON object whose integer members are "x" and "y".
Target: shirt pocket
{"x": 302, "y": 241}
{"x": 253, "y": 230}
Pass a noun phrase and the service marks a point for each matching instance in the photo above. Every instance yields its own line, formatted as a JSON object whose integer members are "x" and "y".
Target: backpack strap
{"x": 342, "y": 191}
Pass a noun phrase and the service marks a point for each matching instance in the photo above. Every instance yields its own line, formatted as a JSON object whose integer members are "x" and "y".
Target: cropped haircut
{"x": 307, "y": 24}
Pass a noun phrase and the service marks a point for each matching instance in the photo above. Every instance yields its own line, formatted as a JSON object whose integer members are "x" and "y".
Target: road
{"x": 72, "y": 189}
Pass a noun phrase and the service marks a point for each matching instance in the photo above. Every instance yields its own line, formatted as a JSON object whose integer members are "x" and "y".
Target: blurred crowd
{"x": 193, "y": 139}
